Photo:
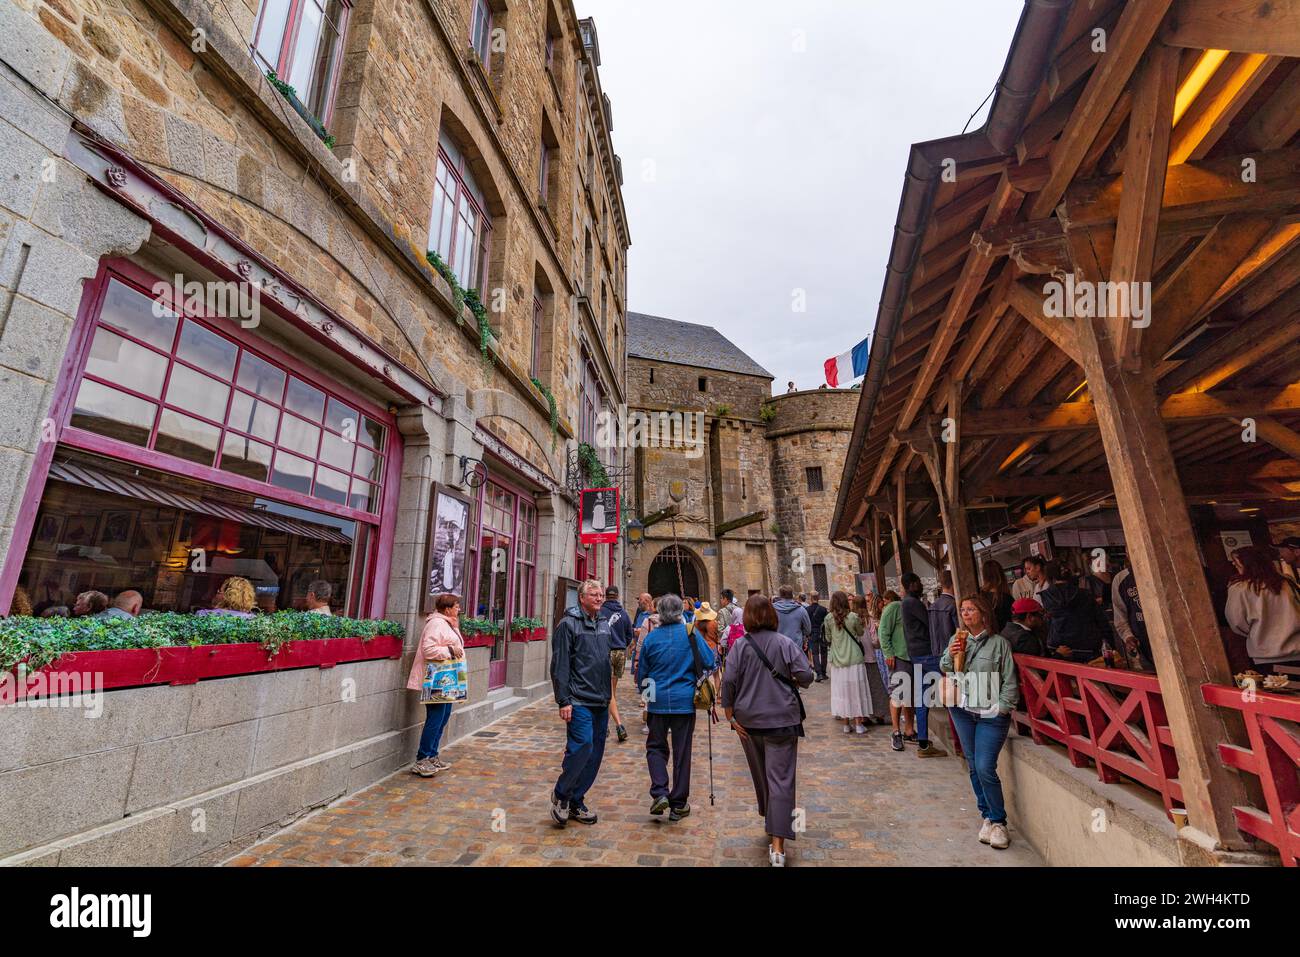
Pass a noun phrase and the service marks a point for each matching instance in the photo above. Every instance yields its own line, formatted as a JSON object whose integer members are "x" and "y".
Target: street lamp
{"x": 635, "y": 533}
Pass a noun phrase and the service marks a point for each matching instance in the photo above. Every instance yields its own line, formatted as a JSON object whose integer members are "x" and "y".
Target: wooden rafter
{"x": 1249, "y": 26}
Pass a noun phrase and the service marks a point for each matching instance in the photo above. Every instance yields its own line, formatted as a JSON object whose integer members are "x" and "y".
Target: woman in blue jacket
{"x": 666, "y": 676}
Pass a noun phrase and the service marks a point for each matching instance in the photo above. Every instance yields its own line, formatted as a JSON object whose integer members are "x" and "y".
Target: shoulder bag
{"x": 783, "y": 679}
{"x": 705, "y": 694}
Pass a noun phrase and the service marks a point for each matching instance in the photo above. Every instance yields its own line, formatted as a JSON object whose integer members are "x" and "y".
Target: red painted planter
{"x": 529, "y": 634}
{"x": 182, "y": 665}
{"x": 480, "y": 641}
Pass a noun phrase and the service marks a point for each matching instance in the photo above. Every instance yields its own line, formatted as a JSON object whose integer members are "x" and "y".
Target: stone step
{"x": 505, "y": 704}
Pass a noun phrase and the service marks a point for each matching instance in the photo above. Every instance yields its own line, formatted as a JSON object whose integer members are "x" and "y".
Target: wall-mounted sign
{"x": 1234, "y": 540}
{"x": 598, "y": 516}
{"x": 447, "y": 555}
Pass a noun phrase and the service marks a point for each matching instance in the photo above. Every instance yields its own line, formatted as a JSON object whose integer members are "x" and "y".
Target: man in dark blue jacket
{"x": 916, "y": 632}
{"x": 620, "y": 633}
{"x": 580, "y": 676}
{"x": 943, "y": 625}
{"x": 817, "y": 641}
{"x": 665, "y": 676}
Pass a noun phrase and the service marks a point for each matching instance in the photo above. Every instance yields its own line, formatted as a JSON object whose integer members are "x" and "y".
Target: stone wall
{"x": 810, "y": 430}
{"x": 170, "y": 84}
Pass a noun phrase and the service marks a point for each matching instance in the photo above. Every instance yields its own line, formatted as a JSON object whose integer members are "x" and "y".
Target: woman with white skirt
{"x": 850, "y": 691}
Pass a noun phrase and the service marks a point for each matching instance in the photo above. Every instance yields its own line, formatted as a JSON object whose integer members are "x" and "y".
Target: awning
{"x": 64, "y": 471}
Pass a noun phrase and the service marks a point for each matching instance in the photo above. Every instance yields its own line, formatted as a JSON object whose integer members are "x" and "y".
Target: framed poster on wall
{"x": 446, "y": 563}
{"x": 599, "y": 516}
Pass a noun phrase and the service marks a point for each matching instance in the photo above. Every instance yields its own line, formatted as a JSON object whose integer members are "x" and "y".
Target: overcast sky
{"x": 764, "y": 145}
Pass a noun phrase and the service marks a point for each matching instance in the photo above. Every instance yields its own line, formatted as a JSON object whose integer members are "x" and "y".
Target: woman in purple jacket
{"x": 760, "y": 694}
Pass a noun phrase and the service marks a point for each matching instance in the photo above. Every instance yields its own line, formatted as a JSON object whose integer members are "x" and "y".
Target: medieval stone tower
{"x": 745, "y": 504}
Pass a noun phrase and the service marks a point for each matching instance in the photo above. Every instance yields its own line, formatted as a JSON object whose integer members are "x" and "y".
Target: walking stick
{"x": 710, "y": 718}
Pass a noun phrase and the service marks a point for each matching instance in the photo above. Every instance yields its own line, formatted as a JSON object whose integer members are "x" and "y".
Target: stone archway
{"x": 663, "y": 576}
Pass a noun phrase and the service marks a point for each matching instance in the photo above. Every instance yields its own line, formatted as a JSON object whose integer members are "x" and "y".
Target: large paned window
{"x": 591, "y": 401}
{"x": 175, "y": 385}
{"x": 459, "y": 227}
{"x": 302, "y": 41}
{"x": 192, "y": 451}
{"x": 506, "y": 563}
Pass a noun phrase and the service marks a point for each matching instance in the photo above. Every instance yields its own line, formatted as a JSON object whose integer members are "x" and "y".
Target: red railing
{"x": 1273, "y": 729}
{"x": 1111, "y": 717}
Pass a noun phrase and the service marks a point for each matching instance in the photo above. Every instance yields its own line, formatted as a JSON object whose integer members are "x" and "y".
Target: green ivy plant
{"x": 722, "y": 411}
{"x": 555, "y": 411}
{"x": 290, "y": 94}
{"x": 524, "y": 624}
{"x": 592, "y": 466}
{"x": 460, "y": 296}
{"x": 38, "y": 642}
{"x": 767, "y": 412}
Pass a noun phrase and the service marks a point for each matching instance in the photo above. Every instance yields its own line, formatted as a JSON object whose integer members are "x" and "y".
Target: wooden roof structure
{"x": 1143, "y": 147}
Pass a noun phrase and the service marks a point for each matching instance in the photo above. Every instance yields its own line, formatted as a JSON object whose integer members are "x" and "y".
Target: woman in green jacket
{"x": 850, "y": 693}
{"x": 893, "y": 645}
{"x": 989, "y": 691}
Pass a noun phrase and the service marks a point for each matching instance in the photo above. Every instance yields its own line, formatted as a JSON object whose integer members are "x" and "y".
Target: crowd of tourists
{"x": 235, "y": 596}
{"x": 890, "y": 659}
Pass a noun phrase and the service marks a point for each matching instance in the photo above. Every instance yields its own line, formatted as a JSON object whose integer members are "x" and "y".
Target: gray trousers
{"x": 772, "y": 760}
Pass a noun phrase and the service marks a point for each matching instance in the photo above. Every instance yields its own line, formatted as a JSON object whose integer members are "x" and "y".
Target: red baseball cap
{"x": 1023, "y": 606}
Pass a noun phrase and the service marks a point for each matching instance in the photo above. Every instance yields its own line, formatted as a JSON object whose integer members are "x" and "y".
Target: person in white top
{"x": 1034, "y": 581}
{"x": 318, "y": 597}
{"x": 1264, "y": 608}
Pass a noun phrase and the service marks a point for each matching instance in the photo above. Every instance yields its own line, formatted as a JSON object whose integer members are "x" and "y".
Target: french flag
{"x": 847, "y": 367}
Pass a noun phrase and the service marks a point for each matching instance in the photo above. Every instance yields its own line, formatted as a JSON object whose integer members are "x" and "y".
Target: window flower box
{"x": 148, "y": 650}
{"x": 479, "y": 632}
{"x": 527, "y": 629}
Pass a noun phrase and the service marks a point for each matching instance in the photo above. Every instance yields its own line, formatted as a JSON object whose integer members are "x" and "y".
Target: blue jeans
{"x": 436, "y": 717}
{"x": 922, "y": 666}
{"x": 981, "y": 742}
{"x": 582, "y": 754}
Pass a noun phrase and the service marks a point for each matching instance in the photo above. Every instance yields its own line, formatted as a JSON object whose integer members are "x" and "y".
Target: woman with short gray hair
{"x": 666, "y": 674}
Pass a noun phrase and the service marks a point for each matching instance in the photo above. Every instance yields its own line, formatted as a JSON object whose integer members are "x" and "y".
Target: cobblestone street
{"x": 865, "y": 805}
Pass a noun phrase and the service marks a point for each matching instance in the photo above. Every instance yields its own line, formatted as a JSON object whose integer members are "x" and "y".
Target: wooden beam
{"x": 1198, "y": 189}
{"x": 1179, "y": 300}
{"x": 750, "y": 519}
{"x": 1276, "y": 434}
{"x": 1276, "y": 121}
{"x": 1004, "y": 204}
{"x": 1247, "y": 26}
{"x": 1254, "y": 339}
{"x": 1176, "y": 605}
{"x": 662, "y": 515}
{"x": 1028, "y": 302}
{"x": 902, "y": 546}
{"x": 1182, "y": 407}
{"x": 1126, "y": 44}
{"x": 1213, "y": 111}
{"x": 1145, "y": 160}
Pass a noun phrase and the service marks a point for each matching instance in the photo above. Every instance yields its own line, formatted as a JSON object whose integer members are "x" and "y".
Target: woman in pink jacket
{"x": 440, "y": 641}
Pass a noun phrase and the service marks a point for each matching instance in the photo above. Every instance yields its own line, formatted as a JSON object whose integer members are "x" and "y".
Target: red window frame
{"x": 381, "y": 521}
{"x": 460, "y": 178}
{"x": 283, "y": 65}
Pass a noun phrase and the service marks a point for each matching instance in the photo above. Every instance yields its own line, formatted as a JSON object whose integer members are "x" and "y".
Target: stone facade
{"x": 144, "y": 129}
{"x": 748, "y": 461}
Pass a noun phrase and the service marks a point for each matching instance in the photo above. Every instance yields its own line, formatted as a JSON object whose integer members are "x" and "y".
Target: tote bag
{"x": 445, "y": 682}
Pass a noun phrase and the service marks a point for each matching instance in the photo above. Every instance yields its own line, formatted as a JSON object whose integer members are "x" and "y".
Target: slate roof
{"x": 685, "y": 343}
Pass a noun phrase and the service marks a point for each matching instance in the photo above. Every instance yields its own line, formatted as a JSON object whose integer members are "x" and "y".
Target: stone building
{"x": 236, "y": 339}
{"x": 743, "y": 498}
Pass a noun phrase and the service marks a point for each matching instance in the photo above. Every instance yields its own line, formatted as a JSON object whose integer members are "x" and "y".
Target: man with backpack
{"x": 620, "y": 636}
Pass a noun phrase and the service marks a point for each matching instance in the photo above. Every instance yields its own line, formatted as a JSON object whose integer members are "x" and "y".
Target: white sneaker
{"x": 860, "y": 729}
{"x": 847, "y": 729}
{"x": 775, "y": 859}
{"x": 986, "y": 830}
{"x": 998, "y": 837}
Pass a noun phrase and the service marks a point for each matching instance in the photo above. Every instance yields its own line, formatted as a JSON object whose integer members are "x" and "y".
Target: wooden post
{"x": 877, "y": 565}
{"x": 1175, "y": 601}
{"x": 902, "y": 547}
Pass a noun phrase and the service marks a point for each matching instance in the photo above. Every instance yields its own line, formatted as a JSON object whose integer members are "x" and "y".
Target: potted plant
{"x": 527, "y": 629}
{"x": 49, "y": 655}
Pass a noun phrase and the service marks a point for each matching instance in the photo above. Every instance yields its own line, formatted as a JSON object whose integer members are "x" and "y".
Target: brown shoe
{"x": 425, "y": 768}
{"x": 930, "y": 751}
